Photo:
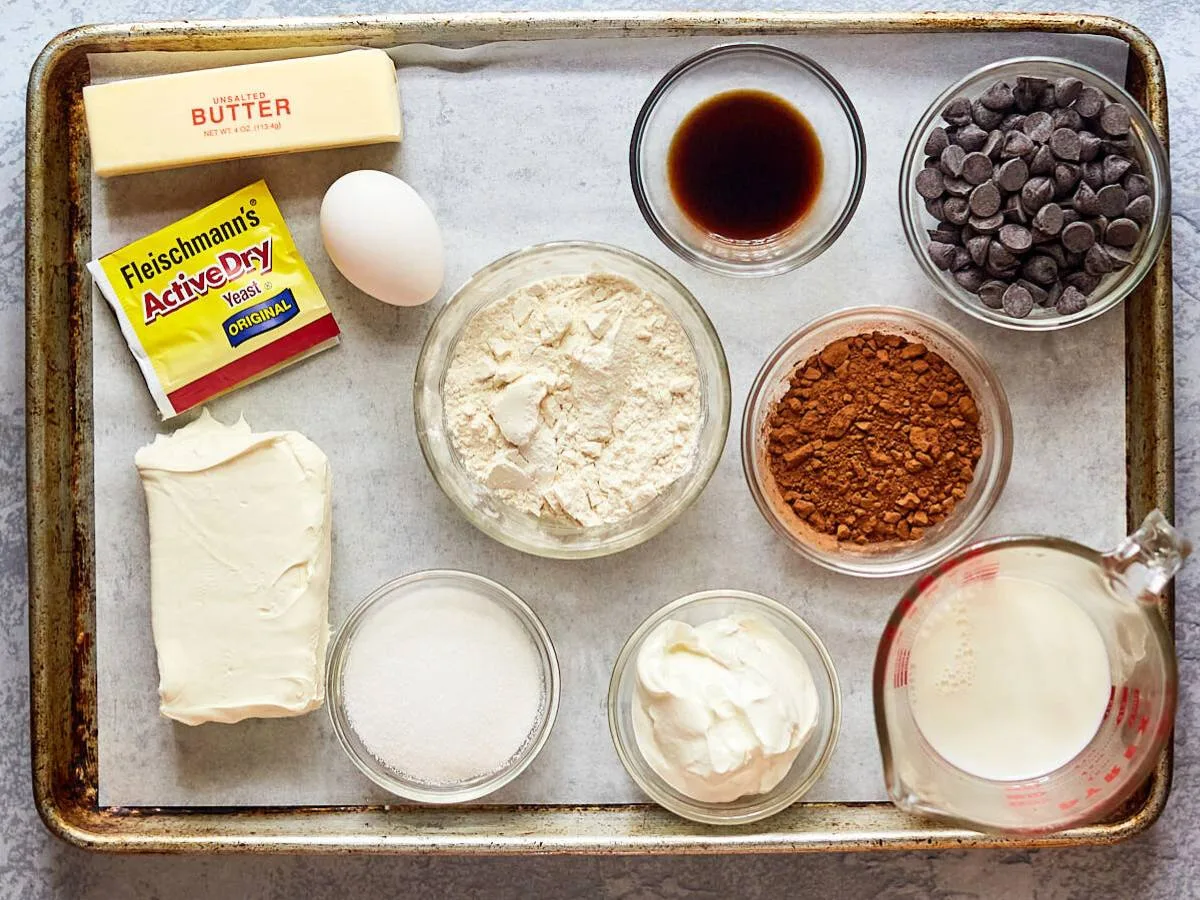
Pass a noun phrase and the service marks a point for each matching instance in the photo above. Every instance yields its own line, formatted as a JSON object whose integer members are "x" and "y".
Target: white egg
{"x": 382, "y": 236}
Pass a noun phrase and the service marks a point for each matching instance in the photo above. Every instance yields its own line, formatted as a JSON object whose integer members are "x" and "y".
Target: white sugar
{"x": 443, "y": 685}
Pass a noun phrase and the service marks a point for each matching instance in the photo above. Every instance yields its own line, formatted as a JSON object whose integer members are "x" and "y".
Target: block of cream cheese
{"x": 239, "y": 570}
{"x": 166, "y": 121}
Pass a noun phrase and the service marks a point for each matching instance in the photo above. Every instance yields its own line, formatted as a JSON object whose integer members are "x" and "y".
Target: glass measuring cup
{"x": 1119, "y": 592}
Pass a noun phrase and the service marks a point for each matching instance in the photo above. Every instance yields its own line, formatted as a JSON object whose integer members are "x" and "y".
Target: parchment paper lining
{"x": 513, "y": 144}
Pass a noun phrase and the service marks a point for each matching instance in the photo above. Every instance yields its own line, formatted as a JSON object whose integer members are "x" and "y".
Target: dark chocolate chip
{"x": 1067, "y": 118}
{"x": 1086, "y": 201}
{"x": 1120, "y": 256}
{"x": 931, "y": 184}
{"x": 1042, "y": 162}
{"x": 1115, "y": 168}
{"x": 1016, "y": 143}
{"x": 937, "y": 141}
{"x": 1078, "y": 236}
{"x": 1012, "y": 175}
{"x": 995, "y": 142}
{"x": 1036, "y": 193}
{"x": 1066, "y": 176}
{"x": 1000, "y": 257}
{"x": 1038, "y": 294}
{"x": 985, "y": 118}
{"x": 1038, "y": 126}
{"x": 957, "y": 111}
{"x": 1093, "y": 174}
{"x": 1112, "y": 200}
{"x": 1097, "y": 261}
{"x": 1091, "y": 102}
{"x": 1089, "y": 146}
{"x": 1120, "y": 233}
{"x": 1084, "y": 282}
{"x": 992, "y": 292}
{"x": 1069, "y": 216}
{"x": 1052, "y": 295}
{"x": 978, "y": 248}
{"x": 947, "y": 234}
{"x": 952, "y": 159}
{"x": 1137, "y": 186}
{"x": 1017, "y": 301}
{"x": 1140, "y": 208}
{"x": 957, "y": 187}
{"x": 1066, "y": 90}
{"x": 1014, "y": 211}
{"x": 1064, "y": 143}
{"x": 971, "y": 138}
{"x": 987, "y": 224}
{"x": 999, "y": 96}
{"x": 1040, "y": 269}
{"x": 1046, "y": 99}
{"x": 985, "y": 200}
{"x": 1011, "y": 121}
{"x": 1070, "y": 301}
{"x": 1114, "y": 119}
{"x": 1049, "y": 219}
{"x": 956, "y": 210}
{"x": 971, "y": 278}
{"x": 977, "y": 168}
{"x": 941, "y": 254}
{"x": 1015, "y": 238}
{"x": 935, "y": 208}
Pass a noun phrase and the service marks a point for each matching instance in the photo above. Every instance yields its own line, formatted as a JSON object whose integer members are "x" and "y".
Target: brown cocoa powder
{"x": 876, "y": 439}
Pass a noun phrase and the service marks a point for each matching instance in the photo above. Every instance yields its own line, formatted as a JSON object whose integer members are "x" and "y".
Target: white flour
{"x": 575, "y": 398}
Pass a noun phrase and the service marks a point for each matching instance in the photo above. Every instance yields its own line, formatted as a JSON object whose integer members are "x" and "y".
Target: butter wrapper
{"x": 216, "y": 300}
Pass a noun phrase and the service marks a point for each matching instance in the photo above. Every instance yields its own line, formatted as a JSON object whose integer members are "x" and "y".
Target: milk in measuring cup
{"x": 1009, "y": 679}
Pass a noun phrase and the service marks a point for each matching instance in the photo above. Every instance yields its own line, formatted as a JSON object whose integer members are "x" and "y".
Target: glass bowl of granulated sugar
{"x": 572, "y": 399}
{"x": 443, "y": 686}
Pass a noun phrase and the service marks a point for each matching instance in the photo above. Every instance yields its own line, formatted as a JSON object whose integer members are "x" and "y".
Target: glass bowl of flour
{"x": 572, "y": 399}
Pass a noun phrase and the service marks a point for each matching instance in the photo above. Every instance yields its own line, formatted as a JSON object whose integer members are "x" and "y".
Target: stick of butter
{"x": 239, "y": 570}
{"x": 313, "y": 103}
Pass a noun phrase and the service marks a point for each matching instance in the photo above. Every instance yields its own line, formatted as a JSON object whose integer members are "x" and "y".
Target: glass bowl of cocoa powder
{"x": 876, "y": 440}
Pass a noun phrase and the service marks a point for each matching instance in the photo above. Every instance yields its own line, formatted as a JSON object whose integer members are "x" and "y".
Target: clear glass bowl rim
{"x": 719, "y": 413}
{"x": 728, "y": 267}
{"x": 1160, "y": 175}
{"x": 373, "y": 769}
{"x": 696, "y": 810}
{"x": 875, "y": 318}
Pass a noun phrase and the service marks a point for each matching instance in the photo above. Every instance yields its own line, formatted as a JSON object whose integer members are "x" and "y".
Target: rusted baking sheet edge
{"x": 61, "y": 524}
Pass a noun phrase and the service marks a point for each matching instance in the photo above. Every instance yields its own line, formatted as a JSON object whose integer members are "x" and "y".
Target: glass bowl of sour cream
{"x": 724, "y": 707}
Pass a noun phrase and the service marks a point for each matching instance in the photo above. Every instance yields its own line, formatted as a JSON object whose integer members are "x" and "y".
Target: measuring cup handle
{"x": 1144, "y": 563}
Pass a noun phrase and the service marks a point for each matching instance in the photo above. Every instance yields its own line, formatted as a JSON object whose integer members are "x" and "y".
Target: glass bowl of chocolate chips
{"x": 1035, "y": 193}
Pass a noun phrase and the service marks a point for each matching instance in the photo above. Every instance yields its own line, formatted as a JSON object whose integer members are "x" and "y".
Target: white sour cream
{"x": 721, "y": 710}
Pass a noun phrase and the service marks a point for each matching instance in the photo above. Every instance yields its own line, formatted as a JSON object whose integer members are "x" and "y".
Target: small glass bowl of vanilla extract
{"x": 748, "y": 159}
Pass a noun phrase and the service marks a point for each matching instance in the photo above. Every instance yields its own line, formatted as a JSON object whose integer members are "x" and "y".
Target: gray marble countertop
{"x": 1165, "y": 862}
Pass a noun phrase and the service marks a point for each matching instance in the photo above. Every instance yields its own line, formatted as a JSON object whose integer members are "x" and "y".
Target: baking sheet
{"x": 513, "y": 144}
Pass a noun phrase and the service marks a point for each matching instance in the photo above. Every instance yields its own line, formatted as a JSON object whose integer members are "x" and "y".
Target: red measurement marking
{"x": 1112, "y": 773}
{"x": 982, "y": 573}
{"x": 1121, "y": 708}
{"x": 1067, "y": 804}
{"x": 1092, "y": 792}
{"x": 1137, "y": 702}
{"x": 1142, "y": 724}
{"x": 1108, "y": 709}
{"x": 901, "y": 679}
{"x": 1130, "y": 751}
